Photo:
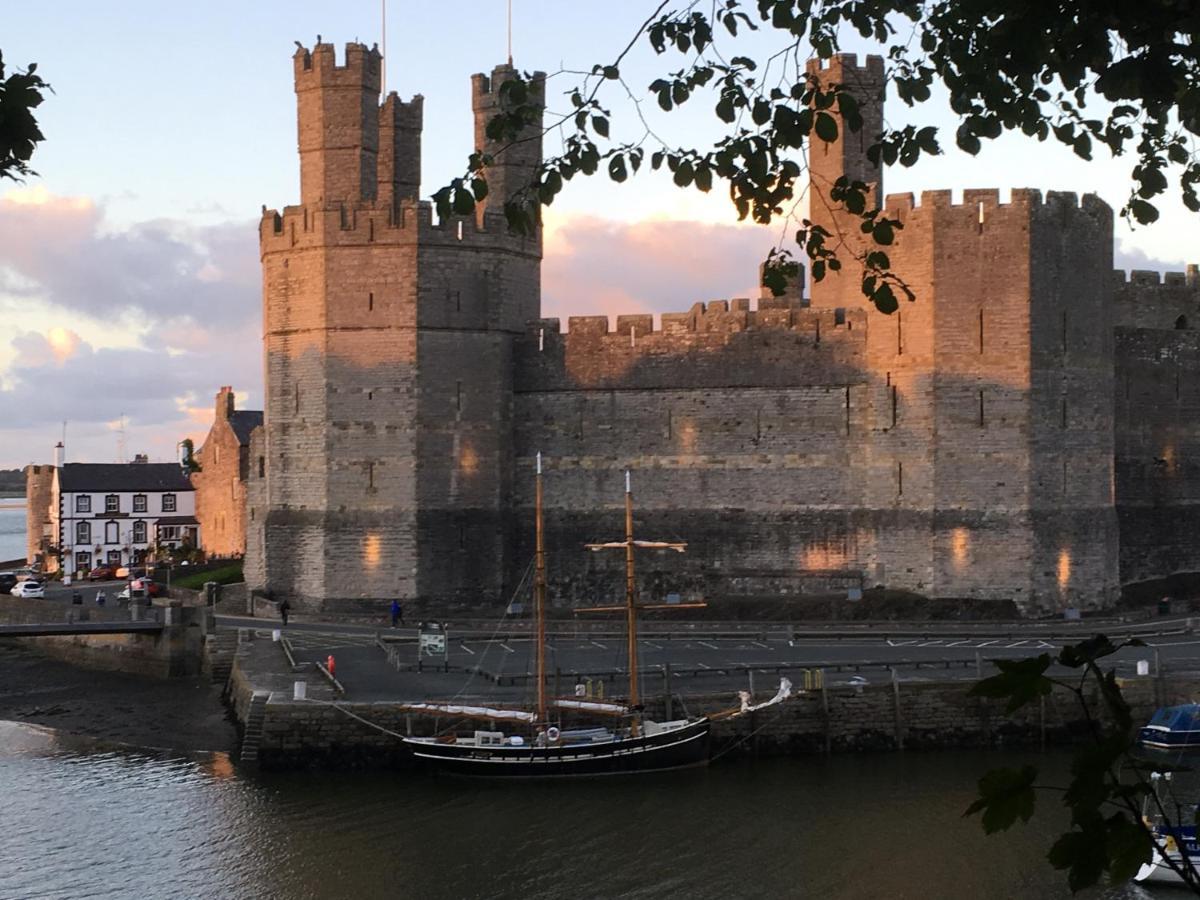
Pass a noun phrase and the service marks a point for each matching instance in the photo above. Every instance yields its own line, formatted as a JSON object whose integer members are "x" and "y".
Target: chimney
{"x": 225, "y": 402}
{"x": 60, "y": 453}
{"x": 141, "y": 458}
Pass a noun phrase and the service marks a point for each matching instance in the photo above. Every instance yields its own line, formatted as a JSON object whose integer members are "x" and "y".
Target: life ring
{"x": 553, "y": 734}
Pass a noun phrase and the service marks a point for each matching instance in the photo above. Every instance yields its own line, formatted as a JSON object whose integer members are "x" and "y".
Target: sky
{"x": 129, "y": 273}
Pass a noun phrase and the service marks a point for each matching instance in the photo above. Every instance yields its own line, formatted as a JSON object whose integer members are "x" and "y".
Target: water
{"x": 12, "y": 527}
{"x": 82, "y": 819}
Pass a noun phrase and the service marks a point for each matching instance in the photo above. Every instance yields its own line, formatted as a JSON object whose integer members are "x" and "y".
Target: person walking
{"x": 397, "y": 613}
{"x": 100, "y": 598}
{"x": 284, "y": 609}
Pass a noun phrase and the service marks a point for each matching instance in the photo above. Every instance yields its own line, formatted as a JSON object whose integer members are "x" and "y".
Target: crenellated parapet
{"x": 719, "y": 343}
{"x": 1148, "y": 299}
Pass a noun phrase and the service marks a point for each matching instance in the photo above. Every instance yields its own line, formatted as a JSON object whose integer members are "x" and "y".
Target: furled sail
{"x": 785, "y": 691}
{"x": 471, "y": 712}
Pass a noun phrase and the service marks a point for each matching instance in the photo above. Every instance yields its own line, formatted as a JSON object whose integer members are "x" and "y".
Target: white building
{"x": 118, "y": 512}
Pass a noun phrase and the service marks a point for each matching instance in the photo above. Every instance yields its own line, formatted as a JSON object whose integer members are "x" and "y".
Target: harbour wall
{"x": 315, "y": 734}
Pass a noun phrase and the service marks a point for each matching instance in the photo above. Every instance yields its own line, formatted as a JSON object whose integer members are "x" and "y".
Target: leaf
{"x": 1129, "y": 847}
{"x": 826, "y": 127}
{"x": 616, "y": 169}
{"x": 1020, "y": 681}
{"x": 1145, "y": 213}
{"x": 1083, "y": 855}
{"x": 1005, "y": 795}
{"x": 1091, "y": 650}
{"x": 884, "y": 299}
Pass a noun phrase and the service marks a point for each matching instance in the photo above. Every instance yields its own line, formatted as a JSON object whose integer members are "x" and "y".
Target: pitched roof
{"x": 123, "y": 477}
{"x": 244, "y": 421}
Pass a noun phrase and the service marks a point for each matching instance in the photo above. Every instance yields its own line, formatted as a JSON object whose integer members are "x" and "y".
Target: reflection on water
{"x": 83, "y": 819}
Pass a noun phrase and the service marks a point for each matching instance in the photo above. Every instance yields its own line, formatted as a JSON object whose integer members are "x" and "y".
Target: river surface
{"x": 81, "y": 819}
{"x": 12, "y": 527}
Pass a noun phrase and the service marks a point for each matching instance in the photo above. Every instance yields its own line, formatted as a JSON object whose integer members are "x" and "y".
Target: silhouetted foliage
{"x": 20, "y": 95}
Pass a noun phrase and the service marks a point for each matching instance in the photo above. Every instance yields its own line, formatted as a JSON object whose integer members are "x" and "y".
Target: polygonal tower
{"x": 387, "y": 347}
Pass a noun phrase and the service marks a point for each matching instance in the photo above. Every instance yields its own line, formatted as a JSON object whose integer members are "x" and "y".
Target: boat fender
{"x": 552, "y": 733}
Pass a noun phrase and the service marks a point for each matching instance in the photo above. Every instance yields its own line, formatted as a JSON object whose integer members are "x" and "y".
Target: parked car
{"x": 27, "y": 574}
{"x": 8, "y": 580}
{"x": 143, "y": 588}
{"x": 30, "y": 590}
{"x": 102, "y": 573}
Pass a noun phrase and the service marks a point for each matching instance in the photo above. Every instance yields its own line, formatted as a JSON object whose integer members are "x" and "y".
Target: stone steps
{"x": 252, "y": 734}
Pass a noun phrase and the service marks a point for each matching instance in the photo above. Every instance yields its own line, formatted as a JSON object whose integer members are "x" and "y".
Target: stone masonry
{"x": 220, "y": 483}
{"x": 1018, "y": 433}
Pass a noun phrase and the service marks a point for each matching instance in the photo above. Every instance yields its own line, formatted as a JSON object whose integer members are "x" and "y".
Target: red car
{"x": 102, "y": 573}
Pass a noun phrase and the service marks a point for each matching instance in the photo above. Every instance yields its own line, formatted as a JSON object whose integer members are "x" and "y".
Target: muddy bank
{"x": 177, "y": 714}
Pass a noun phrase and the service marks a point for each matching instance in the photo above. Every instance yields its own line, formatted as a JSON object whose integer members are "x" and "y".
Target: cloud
{"x": 596, "y": 266}
{"x": 1127, "y": 257}
{"x": 143, "y": 323}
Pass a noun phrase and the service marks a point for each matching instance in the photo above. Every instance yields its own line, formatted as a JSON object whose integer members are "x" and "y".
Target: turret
{"x": 400, "y": 149}
{"x": 338, "y": 123}
{"x": 514, "y": 160}
{"x": 847, "y": 155}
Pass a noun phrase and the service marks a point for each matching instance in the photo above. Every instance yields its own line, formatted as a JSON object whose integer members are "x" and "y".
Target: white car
{"x": 30, "y": 590}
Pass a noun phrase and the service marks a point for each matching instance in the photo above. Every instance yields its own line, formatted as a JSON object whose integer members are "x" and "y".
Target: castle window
{"x": 168, "y": 503}
{"x": 839, "y": 316}
{"x": 83, "y": 503}
{"x": 981, "y": 331}
{"x": 899, "y": 333}
{"x": 370, "y": 301}
{"x": 217, "y": 455}
{"x": 262, "y": 467}
{"x": 895, "y": 406}
{"x": 1181, "y": 323}
{"x": 370, "y": 230}
{"x": 139, "y": 503}
{"x": 370, "y": 475}
{"x": 112, "y": 503}
{"x": 899, "y": 479}
{"x": 981, "y": 419}
{"x": 83, "y": 532}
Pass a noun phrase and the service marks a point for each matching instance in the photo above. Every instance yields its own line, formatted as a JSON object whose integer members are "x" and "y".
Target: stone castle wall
{"x": 39, "y": 493}
{"x": 220, "y": 484}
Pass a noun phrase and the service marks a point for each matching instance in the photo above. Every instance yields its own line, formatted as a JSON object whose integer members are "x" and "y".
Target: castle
{"x": 1021, "y": 432}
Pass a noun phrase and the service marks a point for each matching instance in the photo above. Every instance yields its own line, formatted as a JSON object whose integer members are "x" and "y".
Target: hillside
{"x": 12, "y": 480}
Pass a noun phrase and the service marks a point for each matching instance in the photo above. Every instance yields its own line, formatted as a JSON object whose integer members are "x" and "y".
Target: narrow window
{"x": 371, "y": 301}
{"x": 460, "y": 230}
{"x": 297, "y": 400}
{"x": 292, "y": 231}
{"x": 839, "y": 316}
{"x": 981, "y": 217}
{"x": 370, "y": 395}
{"x": 541, "y": 339}
{"x": 981, "y": 331}
{"x": 458, "y": 395}
{"x": 1181, "y": 323}
{"x": 889, "y": 379}
{"x": 370, "y": 474}
{"x": 818, "y": 331}
{"x": 370, "y": 231}
{"x": 847, "y": 409}
{"x": 899, "y": 333}
{"x": 262, "y": 467}
{"x": 899, "y": 479}
{"x": 895, "y": 406}
{"x": 670, "y": 425}
{"x": 981, "y": 419}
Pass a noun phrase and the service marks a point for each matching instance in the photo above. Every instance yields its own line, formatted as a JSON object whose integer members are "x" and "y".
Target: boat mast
{"x": 630, "y": 606}
{"x": 539, "y": 599}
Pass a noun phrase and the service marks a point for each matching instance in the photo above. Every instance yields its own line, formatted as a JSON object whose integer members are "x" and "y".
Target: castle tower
{"x": 515, "y": 160}
{"x": 385, "y": 450}
{"x": 989, "y": 466}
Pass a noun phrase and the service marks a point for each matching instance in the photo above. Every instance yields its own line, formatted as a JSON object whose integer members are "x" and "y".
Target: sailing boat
{"x": 638, "y": 745}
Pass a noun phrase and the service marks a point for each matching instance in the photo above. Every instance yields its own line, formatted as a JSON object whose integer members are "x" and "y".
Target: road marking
{"x": 958, "y": 643}
{"x": 468, "y": 649}
{"x": 598, "y": 644}
{"x": 892, "y": 643}
{"x": 1044, "y": 644}
{"x": 989, "y": 643}
{"x": 936, "y": 643}
{"x": 1017, "y": 644}
{"x": 652, "y": 644}
{"x": 708, "y": 645}
{"x": 760, "y": 644}
{"x": 506, "y": 647}
{"x": 703, "y": 666}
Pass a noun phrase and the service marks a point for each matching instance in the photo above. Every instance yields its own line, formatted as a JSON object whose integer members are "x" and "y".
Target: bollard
{"x": 329, "y": 664}
{"x": 276, "y": 634}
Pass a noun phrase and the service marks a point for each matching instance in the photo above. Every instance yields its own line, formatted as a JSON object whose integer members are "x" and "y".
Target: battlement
{"x": 989, "y": 198}
{"x": 400, "y": 114}
{"x": 1189, "y": 278}
{"x": 485, "y": 89}
{"x": 840, "y": 63}
{"x": 714, "y": 317}
{"x": 318, "y": 67}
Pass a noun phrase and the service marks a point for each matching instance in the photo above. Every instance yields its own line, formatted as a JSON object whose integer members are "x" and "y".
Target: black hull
{"x": 681, "y": 748}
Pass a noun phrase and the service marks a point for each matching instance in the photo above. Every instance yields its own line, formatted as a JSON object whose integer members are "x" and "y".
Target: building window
{"x": 168, "y": 532}
{"x": 83, "y": 532}
{"x": 139, "y": 503}
{"x": 83, "y": 503}
{"x": 112, "y": 503}
{"x": 168, "y": 503}
{"x": 83, "y": 561}
{"x": 114, "y": 557}
{"x": 112, "y": 533}
{"x": 139, "y": 532}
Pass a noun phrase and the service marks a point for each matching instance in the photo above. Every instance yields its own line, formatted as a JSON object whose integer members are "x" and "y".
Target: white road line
{"x": 936, "y": 643}
{"x": 892, "y": 643}
{"x": 652, "y": 644}
{"x": 1017, "y": 644}
{"x": 468, "y": 649}
{"x": 703, "y": 666}
{"x": 708, "y": 645}
{"x": 989, "y": 643}
{"x": 1045, "y": 644}
{"x": 958, "y": 643}
{"x": 508, "y": 648}
{"x": 760, "y": 644}
{"x": 598, "y": 644}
